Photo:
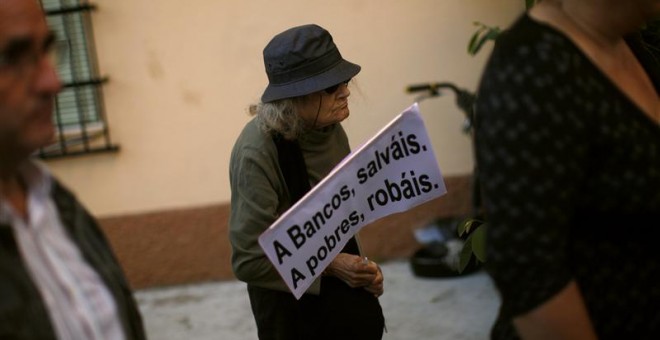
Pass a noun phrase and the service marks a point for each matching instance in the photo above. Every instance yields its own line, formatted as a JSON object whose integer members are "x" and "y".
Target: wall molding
{"x": 191, "y": 245}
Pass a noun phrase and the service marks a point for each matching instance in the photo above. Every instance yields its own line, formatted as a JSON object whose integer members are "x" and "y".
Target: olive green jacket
{"x": 259, "y": 194}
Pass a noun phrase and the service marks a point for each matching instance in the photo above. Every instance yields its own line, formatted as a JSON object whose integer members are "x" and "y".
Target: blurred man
{"x": 58, "y": 276}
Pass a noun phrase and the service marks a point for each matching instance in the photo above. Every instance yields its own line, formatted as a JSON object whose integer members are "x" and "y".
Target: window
{"x": 79, "y": 114}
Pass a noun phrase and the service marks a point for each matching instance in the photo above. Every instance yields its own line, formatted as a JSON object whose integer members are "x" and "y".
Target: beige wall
{"x": 182, "y": 74}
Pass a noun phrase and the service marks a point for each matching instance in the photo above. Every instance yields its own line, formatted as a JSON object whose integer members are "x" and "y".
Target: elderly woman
{"x": 293, "y": 141}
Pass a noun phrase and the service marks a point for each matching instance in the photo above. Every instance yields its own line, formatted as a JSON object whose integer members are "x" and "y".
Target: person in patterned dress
{"x": 568, "y": 146}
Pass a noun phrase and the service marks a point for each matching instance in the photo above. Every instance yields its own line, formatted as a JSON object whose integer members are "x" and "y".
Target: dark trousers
{"x": 338, "y": 313}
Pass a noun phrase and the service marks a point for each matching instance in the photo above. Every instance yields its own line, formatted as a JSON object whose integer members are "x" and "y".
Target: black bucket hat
{"x": 303, "y": 60}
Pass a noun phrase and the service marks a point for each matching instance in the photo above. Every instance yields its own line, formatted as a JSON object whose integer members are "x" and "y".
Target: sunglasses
{"x": 332, "y": 89}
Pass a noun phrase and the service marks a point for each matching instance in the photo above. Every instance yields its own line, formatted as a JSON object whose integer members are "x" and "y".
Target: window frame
{"x": 79, "y": 115}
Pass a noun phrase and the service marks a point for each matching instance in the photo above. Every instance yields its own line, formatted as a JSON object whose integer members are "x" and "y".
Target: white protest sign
{"x": 394, "y": 171}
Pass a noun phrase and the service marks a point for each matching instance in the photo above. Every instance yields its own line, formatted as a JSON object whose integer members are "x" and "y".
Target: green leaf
{"x": 478, "y": 243}
{"x": 473, "y": 40}
{"x": 463, "y": 226}
{"x": 466, "y": 226}
{"x": 529, "y": 3}
{"x": 466, "y": 255}
{"x": 491, "y": 33}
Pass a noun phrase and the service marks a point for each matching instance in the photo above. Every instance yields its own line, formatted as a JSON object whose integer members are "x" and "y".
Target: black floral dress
{"x": 570, "y": 173}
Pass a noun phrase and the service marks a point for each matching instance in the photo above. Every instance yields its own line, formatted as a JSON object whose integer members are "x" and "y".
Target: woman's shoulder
{"x": 531, "y": 53}
{"x": 528, "y": 37}
{"x": 253, "y": 143}
{"x": 253, "y": 137}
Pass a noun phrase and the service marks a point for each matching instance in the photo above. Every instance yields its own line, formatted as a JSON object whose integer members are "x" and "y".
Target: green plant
{"x": 483, "y": 34}
{"x": 486, "y": 33}
{"x": 473, "y": 230}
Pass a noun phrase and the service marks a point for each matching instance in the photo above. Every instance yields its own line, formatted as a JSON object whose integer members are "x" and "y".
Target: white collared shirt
{"x": 79, "y": 304}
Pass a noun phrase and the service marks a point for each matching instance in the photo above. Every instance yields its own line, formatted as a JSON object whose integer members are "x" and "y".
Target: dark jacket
{"x": 23, "y": 314}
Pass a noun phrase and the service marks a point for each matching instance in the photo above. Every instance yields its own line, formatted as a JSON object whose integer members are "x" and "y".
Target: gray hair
{"x": 279, "y": 116}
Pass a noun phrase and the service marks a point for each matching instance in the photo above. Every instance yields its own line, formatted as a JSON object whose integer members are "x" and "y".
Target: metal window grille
{"x": 79, "y": 115}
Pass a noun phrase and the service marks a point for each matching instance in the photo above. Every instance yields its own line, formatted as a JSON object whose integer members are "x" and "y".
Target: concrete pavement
{"x": 414, "y": 308}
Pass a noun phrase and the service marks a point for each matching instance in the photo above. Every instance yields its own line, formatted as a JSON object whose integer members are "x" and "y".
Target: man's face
{"x": 28, "y": 81}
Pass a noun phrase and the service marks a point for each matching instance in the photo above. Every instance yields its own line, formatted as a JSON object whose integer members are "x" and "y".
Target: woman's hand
{"x": 376, "y": 286}
{"x": 356, "y": 273}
